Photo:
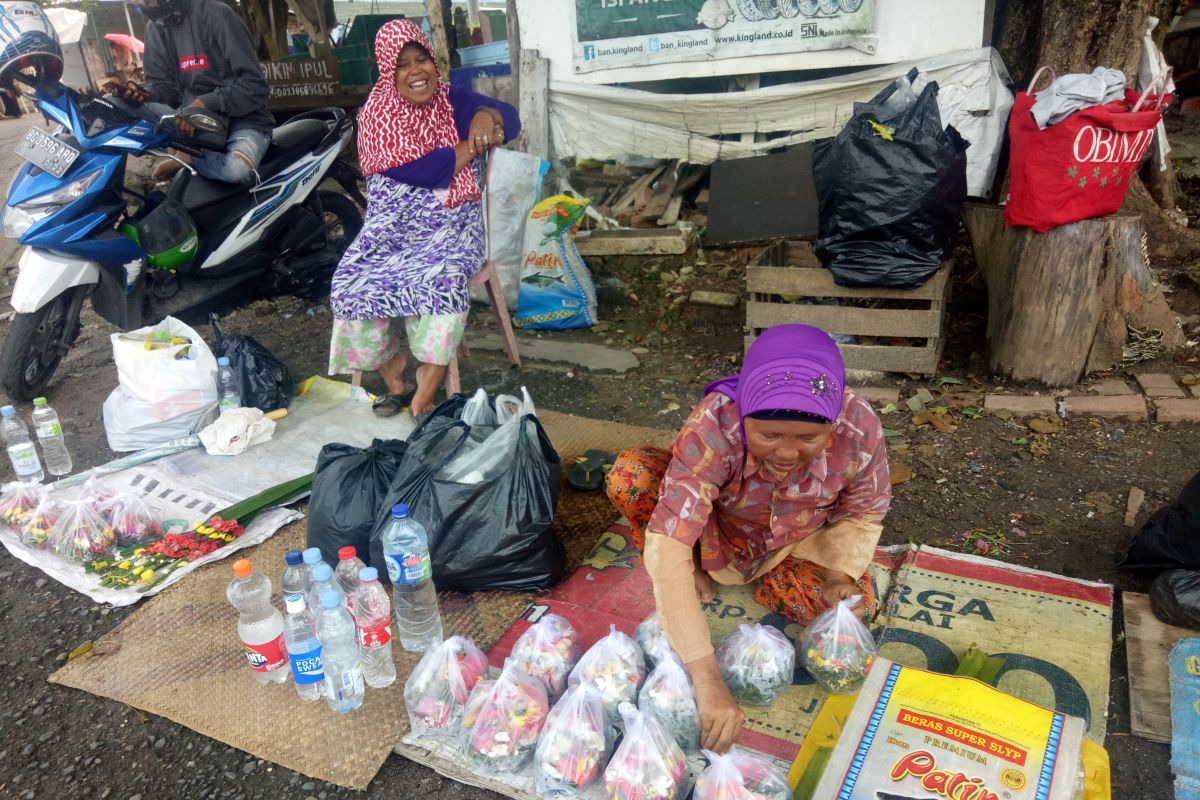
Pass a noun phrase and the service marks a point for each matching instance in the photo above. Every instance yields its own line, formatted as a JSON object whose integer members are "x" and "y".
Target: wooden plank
{"x": 818, "y": 282}
{"x": 878, "y": 358}
{"x": 1148, "y": 642}
{"x": 534, "y": 86}
{"x": 631, "y": 195}
{"x": 671, "y": 215}
{"x": 846, "y": 319}
{"x": 661, "y": 198}
{"x": 650, "y": 242}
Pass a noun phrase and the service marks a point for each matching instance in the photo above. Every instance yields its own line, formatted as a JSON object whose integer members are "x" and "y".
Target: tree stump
{"x": 1063, "y": 303}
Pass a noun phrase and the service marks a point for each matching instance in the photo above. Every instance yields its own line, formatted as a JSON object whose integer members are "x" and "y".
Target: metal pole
{"x": 128, "y": 19}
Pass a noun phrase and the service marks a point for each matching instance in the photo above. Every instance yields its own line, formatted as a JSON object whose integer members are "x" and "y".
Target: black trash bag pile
{"x": 264, "y": 382}
{"x": 890, "y": 188}
{"x": 1169, "y": 542}
{"x": 485, "y": 487}
{"x": 349, "y": 490}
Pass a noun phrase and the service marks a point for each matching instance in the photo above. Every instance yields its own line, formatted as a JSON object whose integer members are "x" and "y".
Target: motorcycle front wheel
{"x": 36, "y": 343}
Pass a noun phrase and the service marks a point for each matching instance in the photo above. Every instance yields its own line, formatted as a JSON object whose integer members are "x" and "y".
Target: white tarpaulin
{"x": 610, "y": 122}
{"x": 68, "y": 23}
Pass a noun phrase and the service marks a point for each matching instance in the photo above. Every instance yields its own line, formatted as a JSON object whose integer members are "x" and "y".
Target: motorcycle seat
{"x": 288, "y": 143}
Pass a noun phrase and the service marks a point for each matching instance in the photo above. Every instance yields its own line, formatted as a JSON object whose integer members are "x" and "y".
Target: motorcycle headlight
{"x": 20, "y": 218}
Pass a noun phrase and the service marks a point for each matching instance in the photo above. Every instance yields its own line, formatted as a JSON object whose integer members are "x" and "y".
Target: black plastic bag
{"x": 890, "y": 189}
{"x": 264, "y": 382}
{"x": 497, "y": 533}
{"x": 1170, "y": 538}
{"x": 349, "y": 493}
{"x": 1175, "y": 598}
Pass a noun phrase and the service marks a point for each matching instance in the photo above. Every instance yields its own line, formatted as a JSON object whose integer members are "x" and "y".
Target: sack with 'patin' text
{"x": 1079, "y": 168}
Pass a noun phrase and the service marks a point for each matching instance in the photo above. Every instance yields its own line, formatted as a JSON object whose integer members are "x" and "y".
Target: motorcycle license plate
{"x": 47, "y": 153}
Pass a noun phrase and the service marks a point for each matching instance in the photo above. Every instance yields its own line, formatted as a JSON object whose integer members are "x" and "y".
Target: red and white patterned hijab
{"x": 392, "y": 131}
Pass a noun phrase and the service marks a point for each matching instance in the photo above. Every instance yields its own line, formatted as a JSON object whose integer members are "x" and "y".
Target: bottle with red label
{"x": 373, "y": 619}
{"x": 260, "y": 625}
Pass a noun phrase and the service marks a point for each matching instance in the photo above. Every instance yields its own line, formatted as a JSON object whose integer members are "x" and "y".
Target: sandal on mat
{"x": 389, "y": 405}
{"x": 587, "y": 475}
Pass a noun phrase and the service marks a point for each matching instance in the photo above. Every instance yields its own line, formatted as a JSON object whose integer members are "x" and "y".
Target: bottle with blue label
{"x": 406, "y": 552}
{"x": 304, "y": 649}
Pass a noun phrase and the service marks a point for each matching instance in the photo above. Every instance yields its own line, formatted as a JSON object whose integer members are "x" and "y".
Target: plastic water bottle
{"x": 339, "y": 654}
{"x": 260, "y": 625}
{"x": 304, "y": 648}
{"x": 296, "y": 579}
{"x": 374, "y": 620}
{"x": 322, "y": 581}
{"x": 406, "y": 551}
{"x": 21, "y": 450}
{"x": 50, "y": 434}
{"x": 346, "y": 574}
{"x": 312, "y": 557}
{"x": 227, "y": 386}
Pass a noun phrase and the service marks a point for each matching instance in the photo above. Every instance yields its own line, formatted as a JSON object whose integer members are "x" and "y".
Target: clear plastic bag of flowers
{"x": 132, "y": 520}
{"x": 650, "y": 636}
{"x": 615, "y": 666}
{"x": 18, "y": 499}
{"x": 669, "y": 696}
{"x": 548, "y": 651}
{"x": 837, "y": 649}
{"x": 575, "y": 744}
{"x": 737, "y": 775}
{"x": 757, "y": 663}
{"x": 36, "y": 525}
{"x": 503, "y": 719}
{"x": 648, "y": 765}
{"x": 437, "y": 691}
{"x": 80, "y": 534}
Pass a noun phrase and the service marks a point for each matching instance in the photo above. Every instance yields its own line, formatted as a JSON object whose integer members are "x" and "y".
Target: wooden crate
{"x": 917, "y": 316}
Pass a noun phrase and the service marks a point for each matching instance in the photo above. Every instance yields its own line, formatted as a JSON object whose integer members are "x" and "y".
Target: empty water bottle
{"x": 322, "y": 580}
{"x": 260, "y": 625}
{"x": 50, "y": 434}
{"x": 406, "y": 551}
{"x": 339, "y": 654}
{"x": 296, "y": 579}
{"x": 346, "y": 574}
{"x": 227, "y": 387}
{"x": 373, "y": 620}
{"x": 304, "y": 649}
{"x": 21, "y": 450}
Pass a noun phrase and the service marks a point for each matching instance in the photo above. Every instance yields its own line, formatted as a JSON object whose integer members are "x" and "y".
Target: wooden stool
{"x": 490, "y": 280}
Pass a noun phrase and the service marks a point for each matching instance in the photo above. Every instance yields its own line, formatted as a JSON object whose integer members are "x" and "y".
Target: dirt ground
{"x": 1059, "y": 509}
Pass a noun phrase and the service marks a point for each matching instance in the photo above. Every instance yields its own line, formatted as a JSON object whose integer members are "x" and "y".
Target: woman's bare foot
{"x": 392, "y": 372}
{"x": 704, "y": 586}
{"x": 429, "y": 378}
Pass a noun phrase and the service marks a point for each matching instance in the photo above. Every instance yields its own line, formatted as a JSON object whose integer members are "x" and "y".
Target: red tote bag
{"x": 1081, "y": 167}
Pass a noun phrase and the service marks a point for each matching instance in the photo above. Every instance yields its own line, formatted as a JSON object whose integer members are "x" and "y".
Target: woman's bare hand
{"x": 721, "y": 717}
{"x": 840, "y": 586}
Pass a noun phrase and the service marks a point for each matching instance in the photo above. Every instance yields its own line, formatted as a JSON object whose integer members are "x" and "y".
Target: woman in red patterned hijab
{"x": 408, "y": 273}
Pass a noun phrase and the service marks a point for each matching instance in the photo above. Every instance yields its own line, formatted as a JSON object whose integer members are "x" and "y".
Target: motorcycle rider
{"x": 199, "y": 54}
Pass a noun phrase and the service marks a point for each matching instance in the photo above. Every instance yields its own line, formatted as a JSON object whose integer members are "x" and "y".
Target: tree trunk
{"x": 1063, "y": 303}
{"x": 441, "y": 42}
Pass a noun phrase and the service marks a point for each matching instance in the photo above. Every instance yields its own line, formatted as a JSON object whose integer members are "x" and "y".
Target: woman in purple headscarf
{"x": 779, "y": 476}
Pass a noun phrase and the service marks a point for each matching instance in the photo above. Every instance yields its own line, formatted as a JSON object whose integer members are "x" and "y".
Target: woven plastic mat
{"x": 178, "y": 655}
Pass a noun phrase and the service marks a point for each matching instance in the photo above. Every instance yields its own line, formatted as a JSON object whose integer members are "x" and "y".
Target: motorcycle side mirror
{"x": 202, "y": 121}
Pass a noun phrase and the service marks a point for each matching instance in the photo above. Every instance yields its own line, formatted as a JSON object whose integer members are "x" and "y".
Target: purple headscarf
{"x": 788, "y": 368}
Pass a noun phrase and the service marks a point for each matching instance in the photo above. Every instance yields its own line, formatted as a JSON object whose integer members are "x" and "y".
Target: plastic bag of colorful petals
{"x": 548, "y": 651}
{"x": 503, "y": 720}
{"x": 737, "y": 775}
{"x": 669, "y": 696}
{"x": 437, "y": 691}
{"x": 648, "y": 765}
{"x": 615, "y": 666}
{"x": 757, "y": 663}
{"x": 575, "y": 745}
{"x": 837, "y": 650}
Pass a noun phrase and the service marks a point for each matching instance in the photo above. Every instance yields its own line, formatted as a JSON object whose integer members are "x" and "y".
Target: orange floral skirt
{"x": 793, "y": 588}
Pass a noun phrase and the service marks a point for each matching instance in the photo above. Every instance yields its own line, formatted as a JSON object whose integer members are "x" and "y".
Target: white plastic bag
{"x": 167, "y": 385}
{"x": 152, "y": 369}
{"x": 503, "y": 720}
{"x": 437, "y": 691}
{"x": 615, "y": 666}
{"x": 483, "y": 458}
{"x": 514, "y": 181}
{"x": 668, "y": 695}
{"x": 837, "y": 649}
{"x": 757, "y": 663}
{"x": 738, "y": 774}
{"x": 575, "y": 744}
{"x": 652, "y": 639}
{"x": 648, "y": 765}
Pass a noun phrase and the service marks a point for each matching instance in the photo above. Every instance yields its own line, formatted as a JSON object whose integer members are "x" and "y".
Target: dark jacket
{"x": 210, "y": 56}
